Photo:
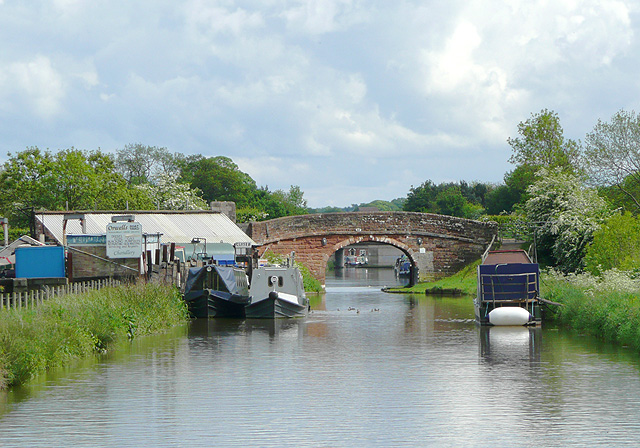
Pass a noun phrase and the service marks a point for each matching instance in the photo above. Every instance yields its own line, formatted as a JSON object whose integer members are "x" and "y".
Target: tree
{"x": 69, "y": 179}
{"x": 450, "y": 202}
{"x": 612, "y": 154}
{"x": 168, "y": 194}
{"x": 616, "y": 245}
{"x": 422, "y": 198}
{"x": 451, "y": 198}
{"x": 139, "y": 163}
{"x": 219, "y": 179}
{"x": 24, "y": 183}
{"x": 542, "y": 144}
{"x": 566, "y": 215}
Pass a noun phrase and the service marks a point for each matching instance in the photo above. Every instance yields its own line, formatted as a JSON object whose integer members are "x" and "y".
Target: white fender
{"x": 509, "y": 315}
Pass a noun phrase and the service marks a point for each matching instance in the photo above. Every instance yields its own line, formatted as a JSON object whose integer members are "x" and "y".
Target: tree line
{"x": 572, "y": 195}
{"x": 137, "y": 177}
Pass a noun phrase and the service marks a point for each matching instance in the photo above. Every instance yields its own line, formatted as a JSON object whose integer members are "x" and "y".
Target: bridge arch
{"x": 405, "y": 249}
{"x": 436, "y": 245}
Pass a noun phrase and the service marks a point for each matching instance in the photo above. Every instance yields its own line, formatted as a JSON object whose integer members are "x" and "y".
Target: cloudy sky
{"x": 351, "y": 100}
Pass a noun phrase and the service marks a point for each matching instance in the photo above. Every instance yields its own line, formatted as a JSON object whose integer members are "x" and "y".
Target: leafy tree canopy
{"x": 219, "y": 179}
{"x": 456, "y": 199}
{"x": 139, "y": 163}
{"x": 612, "y": 155}
{"x": 69, "y": 179}
{"x": 616, "y": 245}
{"x": 541, "y": 143}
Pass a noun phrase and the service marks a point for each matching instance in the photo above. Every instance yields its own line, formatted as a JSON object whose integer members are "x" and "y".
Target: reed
{"x": 75, "y": 326}
{"x": 607, "y": 306}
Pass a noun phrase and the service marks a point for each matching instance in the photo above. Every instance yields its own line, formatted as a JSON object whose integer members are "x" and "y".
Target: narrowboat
{"x": 217, "y": 291}
{"x": 508, "y": 289}
{"x": 277, "y": 292}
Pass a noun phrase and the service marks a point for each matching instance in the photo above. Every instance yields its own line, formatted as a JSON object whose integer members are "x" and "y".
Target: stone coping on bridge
{"x": 372, "y": 223}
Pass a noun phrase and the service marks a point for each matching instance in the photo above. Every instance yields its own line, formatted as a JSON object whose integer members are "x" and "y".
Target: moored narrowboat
{"x": 508, "y": 289}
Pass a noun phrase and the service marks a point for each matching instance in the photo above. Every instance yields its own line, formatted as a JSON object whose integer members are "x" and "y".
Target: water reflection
{"x": 363, "y": 369}
{"x": 510, "y": 345}
{"x": 209, "y": 330}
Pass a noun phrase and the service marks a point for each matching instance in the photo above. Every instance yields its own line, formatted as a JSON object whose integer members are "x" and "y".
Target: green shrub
{"x": 74, "y": 326}
{"x": 606, "y": 307}
{"x": 615, "y": 245}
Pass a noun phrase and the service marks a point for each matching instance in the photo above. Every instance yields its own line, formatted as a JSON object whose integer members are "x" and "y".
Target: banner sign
{"x": 124, "y": 240}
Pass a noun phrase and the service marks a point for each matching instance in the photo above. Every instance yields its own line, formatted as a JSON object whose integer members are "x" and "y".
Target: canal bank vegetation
{"x": 463, "y": 282}
{"x": 68, "y": 328}
{"x": 605, "y": 306}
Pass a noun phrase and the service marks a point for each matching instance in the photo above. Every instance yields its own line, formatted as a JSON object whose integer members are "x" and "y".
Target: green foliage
{"x": 615, "y": 245}
{"x": 69, "y": 179}
{"x": 606, "y": 307}
{"x": 541, "y": 143}
{"x": 622, "y": 196}
{"x": 139, "y": 164}
{"x": 166, "y": 193}
{"x": 292, "y": 201}
{"x": 455, "y": 199}
{"x": 219, "y": 179}
{"x": 566, "y": 215}
{"x": 75, "y": 326}
{"x": 612, "y": 155}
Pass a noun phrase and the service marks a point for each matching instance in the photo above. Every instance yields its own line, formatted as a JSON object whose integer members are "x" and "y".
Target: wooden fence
{"x": 31, "y": 299}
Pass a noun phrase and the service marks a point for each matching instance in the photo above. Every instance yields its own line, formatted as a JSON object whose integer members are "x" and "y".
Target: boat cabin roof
{"x": 507, "y": 256}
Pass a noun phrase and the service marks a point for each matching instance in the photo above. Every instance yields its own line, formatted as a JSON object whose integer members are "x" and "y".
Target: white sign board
{"x": 124, "y": 240}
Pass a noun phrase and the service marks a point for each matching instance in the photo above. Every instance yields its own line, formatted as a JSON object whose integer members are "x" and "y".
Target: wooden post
{"x": 172, "y": 254}
{"x": 164, "y": 253}
{"x": 149, "y": 264}
{"x": 70, "y": 266}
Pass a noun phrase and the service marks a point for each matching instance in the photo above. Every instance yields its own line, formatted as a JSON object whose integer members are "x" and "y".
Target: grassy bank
{"x": 71, "y": 327}
{"x": 606, "y": 307}
{"x": 463, "y": 281}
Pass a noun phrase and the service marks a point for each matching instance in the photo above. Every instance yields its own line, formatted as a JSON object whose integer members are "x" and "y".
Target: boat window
{"x": 280, "y": 281}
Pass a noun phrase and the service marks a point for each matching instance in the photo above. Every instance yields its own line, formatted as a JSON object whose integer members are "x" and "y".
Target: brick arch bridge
{"x": 436, "y": 245}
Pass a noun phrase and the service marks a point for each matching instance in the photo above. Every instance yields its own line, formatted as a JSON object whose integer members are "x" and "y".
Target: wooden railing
{"x": 31, "y": 299}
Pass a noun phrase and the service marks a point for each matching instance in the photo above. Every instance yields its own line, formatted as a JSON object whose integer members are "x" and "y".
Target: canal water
{"x": 365, "y": 369}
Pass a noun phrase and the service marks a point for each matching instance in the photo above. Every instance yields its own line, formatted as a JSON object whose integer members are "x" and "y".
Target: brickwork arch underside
{"x": 314, "y": 251}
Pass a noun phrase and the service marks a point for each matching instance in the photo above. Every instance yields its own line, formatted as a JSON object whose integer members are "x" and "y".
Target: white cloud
{"x": 300, "y": 92}
{"x": 324, "y": 16}
{"x": 42, "y": 85}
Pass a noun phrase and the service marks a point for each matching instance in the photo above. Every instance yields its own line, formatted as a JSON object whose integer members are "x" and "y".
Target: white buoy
{"x": 509, "y": 315}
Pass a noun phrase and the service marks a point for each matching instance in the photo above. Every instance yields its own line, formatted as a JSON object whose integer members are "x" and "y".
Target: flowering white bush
{"x": 566, "y": 214}
{"x": 168, "y": 194}
{"x": 611, "y": 280}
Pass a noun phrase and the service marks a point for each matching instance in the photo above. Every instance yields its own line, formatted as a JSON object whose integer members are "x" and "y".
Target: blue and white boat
{"x": 508, "y": 289}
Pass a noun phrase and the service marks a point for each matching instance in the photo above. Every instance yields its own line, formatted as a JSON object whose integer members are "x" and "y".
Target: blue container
{"x": 40, "y": 262}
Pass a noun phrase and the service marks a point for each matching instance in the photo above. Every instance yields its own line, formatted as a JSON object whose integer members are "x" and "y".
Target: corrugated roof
{"x": 177, "y": 227}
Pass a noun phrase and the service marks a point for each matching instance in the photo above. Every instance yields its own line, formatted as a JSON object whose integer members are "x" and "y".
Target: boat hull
{"x": 274, "y": 307}
{"x": 206, "y": 303}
